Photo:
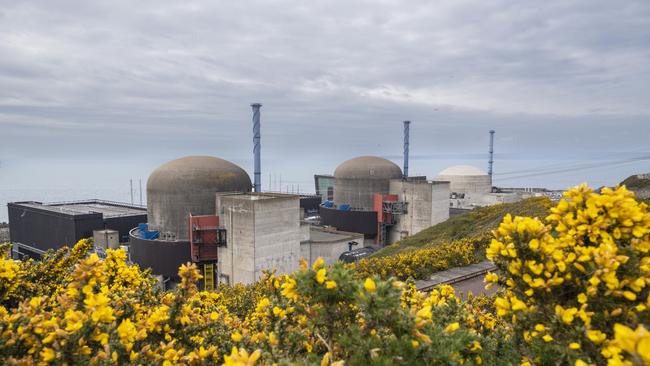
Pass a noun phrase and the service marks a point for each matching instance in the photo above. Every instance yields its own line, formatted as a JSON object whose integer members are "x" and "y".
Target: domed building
{"x": 175, "y": 190}
{"x": 357, "y": 179}
{"x": 466, "y": 179}
{"x": 188, "y": 185}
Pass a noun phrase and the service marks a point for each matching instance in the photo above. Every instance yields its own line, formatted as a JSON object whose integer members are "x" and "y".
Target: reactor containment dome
{"x": 188, "y": 185}
{"x": 466, "y": 179}
{"x": 357, "y": 179}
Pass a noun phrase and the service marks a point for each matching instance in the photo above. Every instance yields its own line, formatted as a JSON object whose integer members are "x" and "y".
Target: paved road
{"x": 465, "y": 280}
{"x": 474, "y": 285}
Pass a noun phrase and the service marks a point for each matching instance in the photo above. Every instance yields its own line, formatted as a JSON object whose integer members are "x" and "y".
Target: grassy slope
{"x": 632, "y": 183}
{"x": 470, "y": 224}
{"x": 641, "y": 187}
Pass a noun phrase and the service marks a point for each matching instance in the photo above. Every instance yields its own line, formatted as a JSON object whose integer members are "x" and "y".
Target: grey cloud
{"x": 162, "y": 78}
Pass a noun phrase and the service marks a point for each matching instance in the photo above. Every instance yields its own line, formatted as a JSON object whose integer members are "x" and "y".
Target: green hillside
{"x": 469, "y": 225}
{"x": 640, "y": 185}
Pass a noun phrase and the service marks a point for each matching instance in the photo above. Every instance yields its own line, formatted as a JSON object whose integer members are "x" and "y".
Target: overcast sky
{"x": 97, "y": 92}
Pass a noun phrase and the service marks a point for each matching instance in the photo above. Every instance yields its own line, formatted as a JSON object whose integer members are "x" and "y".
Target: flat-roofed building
{"x": 36, "y": 227}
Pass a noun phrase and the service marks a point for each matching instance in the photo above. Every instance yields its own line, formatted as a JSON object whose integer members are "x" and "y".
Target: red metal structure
{"x": 205, "y": 238}
{"x": 386, "y": 206}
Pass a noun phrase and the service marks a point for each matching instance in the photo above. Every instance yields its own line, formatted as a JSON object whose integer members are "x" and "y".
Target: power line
{"x": 562, "y": 165}
{"x": 577, "y": 168}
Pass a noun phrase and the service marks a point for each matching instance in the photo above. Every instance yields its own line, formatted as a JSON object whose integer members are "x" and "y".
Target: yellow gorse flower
{"x": 321, "y": 275}
{"x": 452, "y": 327}
{"x": 369, "y": 285}
{"x": 589, "y": 253}
{"x": 240, "y": 357}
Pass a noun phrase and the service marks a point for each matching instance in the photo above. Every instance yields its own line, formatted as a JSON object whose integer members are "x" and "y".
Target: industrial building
{"x": 206, "y": 210}
{"x": 373, "y": 197}
{"x": 324, "y": 185}
{"x": 466, "y": 179}
{"x": 174, "y": 191}
{"x": 191, "y": 197}
{"x": 36, "y": 227}
{"x": 201, "y": 209}
{"x": 358, "y": 179}
{"x": 187, "y": 185}
{"x": 326, "y": 242}
{"x": 426, "y": 205}
{"x": 471, "y": 187}
{"x": 263, "y": 233}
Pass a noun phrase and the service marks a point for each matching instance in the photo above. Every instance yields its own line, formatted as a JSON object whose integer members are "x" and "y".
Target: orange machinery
{"x": 205, "y": 238}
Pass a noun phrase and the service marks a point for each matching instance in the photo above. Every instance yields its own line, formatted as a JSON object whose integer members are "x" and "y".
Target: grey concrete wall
{"x": 427, "y": 205}
{"x": 277, "y": 235}
{"x": 330, "y": 247}
{"x": 472, "y": 200}
{"x": 106, "y": 239}
{"x": 236, "y": 260}
{"x": 304, "y": 231}
{"x": 440, "y": 202}
{"x": 168, "y": 212}
{"x": 330, "y": 252}
{"x": 263, "y": 234}
{"x": 163, "y": 257}
{"x": 468, "y": 183}
{"x": 358, "y": 192}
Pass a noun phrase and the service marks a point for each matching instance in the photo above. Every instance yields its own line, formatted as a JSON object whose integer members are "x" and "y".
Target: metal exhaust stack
{"x": 257, "y": 147}
{"x": 491, "y": 161}
{"x": 406, "y": 148}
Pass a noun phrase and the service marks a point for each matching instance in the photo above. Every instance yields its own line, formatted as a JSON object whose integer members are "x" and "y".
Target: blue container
{"x": 146, "y": 234}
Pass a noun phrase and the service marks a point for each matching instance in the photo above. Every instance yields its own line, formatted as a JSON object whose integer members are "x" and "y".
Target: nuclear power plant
{"x": 206, "y": 210}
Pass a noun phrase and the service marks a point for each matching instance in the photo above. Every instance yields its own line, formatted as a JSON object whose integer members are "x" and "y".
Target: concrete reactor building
{"x": 175, "y": 190}
{"x": 466, "y": 179}
{"x": 188, "y": 185}
{"x": 358, "y": 179}
{"x": 471, "y": 187}
{"x": 372, "y": 196}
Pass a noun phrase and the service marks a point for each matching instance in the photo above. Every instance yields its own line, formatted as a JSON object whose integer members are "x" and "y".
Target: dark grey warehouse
{"x": 36, "y": 227}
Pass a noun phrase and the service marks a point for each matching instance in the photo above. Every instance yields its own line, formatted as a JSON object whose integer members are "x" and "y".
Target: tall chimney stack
{"x": 257, "y": 147}
{"x": 406, "y": 148}
{"x": 491, "y": 161}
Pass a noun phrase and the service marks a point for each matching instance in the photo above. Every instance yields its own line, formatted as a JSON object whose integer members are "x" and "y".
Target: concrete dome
{"x": 357, "y": 179}
{"x": 188, "y": 185}
{"x": 368, "y": 167}
{"x": 466, "y": 179}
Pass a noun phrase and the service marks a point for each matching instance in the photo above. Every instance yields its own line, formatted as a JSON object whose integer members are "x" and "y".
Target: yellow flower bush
{"x": 421, "y": 263}
{"x": 575, "y": 291}
{"x": 103, "y": 312}
{"x": 577, "y": 282}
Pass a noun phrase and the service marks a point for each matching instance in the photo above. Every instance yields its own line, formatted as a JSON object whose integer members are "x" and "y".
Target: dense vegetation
{"x": 418, "y": 264}
{"x": 640, "y": 186}
{"x": 475, "y": 223}
{"x": 576, "y": 292}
